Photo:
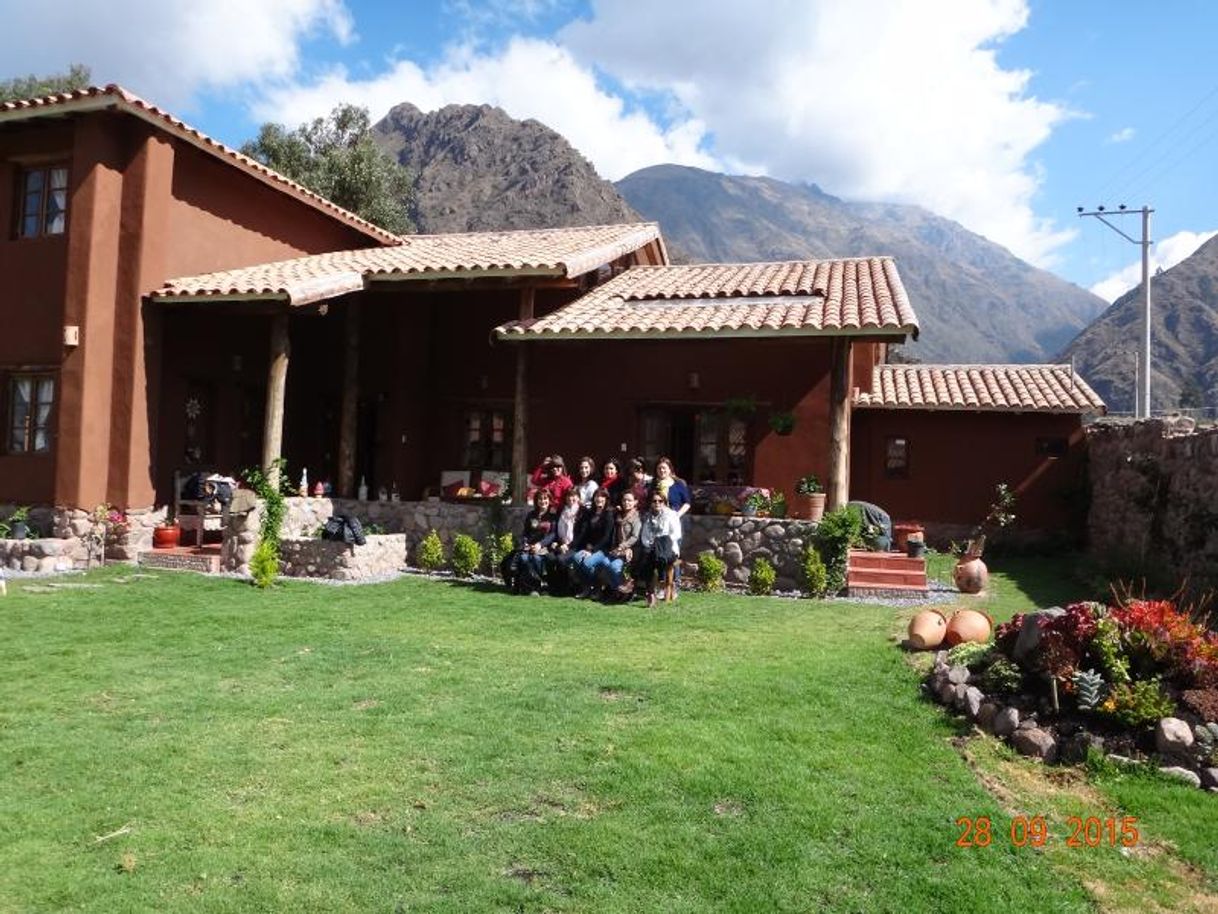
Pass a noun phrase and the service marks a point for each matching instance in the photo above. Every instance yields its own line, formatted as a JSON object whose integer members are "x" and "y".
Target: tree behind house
{"x": 335, "y": 157}
{"x": 19, "y": 88}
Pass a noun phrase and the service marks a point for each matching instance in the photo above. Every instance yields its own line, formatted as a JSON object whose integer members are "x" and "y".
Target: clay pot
{"x": 971, "y": 575}
{"x": 166, "y": 536}
{"x": 927, "y": 630}
{"x": 901, "y": 533}
{"x": 968, "y": 625}
{"x": 814, "y": 506}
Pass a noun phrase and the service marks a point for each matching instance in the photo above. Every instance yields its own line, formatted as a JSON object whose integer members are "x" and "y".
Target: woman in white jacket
{"x": 660, "y": 540}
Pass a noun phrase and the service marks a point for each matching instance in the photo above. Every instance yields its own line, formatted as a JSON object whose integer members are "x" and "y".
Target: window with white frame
{"x": 30, "y": 398}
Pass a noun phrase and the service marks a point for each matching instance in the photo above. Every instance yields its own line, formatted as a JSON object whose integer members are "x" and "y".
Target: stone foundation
{"x": 45, "y": 555}
{"x": 63, "y": 534}
{"x": 382, "y": 555}
{"x": 740, "y": 541}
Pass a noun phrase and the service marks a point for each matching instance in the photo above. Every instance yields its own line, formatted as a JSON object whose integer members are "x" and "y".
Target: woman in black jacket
{"x": 526, "y": 565}
{"x": 592, "y": 549}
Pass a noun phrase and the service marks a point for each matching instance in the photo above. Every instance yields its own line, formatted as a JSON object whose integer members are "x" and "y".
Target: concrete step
{"x": 181, "y": 559}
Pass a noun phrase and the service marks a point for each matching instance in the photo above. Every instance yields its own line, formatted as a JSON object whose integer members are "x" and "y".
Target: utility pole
{"x": 1142, "y": 379}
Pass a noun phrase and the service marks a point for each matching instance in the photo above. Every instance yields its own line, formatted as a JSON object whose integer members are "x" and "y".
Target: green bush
{"x": 762, "y": 578}
{"x": 430, "y": 554}
{"x": 970, "y": 653}
{"x": 711, "y": 570}
{"x": 264, "y": 565}
{"x": 466, "y": 556}
{"x": 813, "y": 572}
{"x": 1138, "y": 705}
{"x": 837, "y": 533}
{"x": 498, "y": 546}
{"x": 1002, "y": 677}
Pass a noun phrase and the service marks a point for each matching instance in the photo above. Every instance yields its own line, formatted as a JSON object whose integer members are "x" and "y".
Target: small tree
{"x": 812, "y": 570}
{"x": 466, "y": 556}
{"x": 498, "y": 547}
{"x": 19, "y": 88}
{"x": 711, "y": 570}
{"x": 762, "y": 578}
{"x": 336, "y": 157}
{"x": 430, "y": 554}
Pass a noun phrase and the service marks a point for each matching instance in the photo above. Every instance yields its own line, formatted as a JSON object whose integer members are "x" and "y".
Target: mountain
{"x": 477, "y": 169}
{"x": 1184, "y": 338}
{"x": 975, "y": 300}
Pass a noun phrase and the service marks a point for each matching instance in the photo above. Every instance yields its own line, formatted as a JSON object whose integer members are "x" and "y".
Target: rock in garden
{"x": 972, "y": 702}
{"x": 1075, "y": 749}
{"x": 733, "y": 555}
{"x": 1029, "y": 631}
{"x": 941, "y": 661}
{"x": 1202, "y": 735}
{"x": 1006, "y": 722}
{"x": 958, "y": 675}
{"x": 1035, "y": 742}
{"x": 1173, "y": 735}
{"x": 1182, "y": 774}
{"x": 985, "y": 715}
{"x": 1209, "y": 777}
{"x": 946, "y": 692}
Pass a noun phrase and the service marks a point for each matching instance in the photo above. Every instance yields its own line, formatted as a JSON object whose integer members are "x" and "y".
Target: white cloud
{"x": 1124, "y": 135}
{"x": 169, "y": 50}
{"x": 871, "y": 99}
{"x": 528, "y": 78}
{"x": 1164, "y": 255}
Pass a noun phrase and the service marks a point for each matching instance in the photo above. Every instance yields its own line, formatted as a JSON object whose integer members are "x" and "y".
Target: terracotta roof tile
{"x": 1012, "y": 388}
{"x": 757, "y": 299}
{"x": 562, "y": 252}
{"x": 114, "y": 96}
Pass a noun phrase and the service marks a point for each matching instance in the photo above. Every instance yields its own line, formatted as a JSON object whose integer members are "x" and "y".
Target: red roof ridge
{"x": 134, "y": 104}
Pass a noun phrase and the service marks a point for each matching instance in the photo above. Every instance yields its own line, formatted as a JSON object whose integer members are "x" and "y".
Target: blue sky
{"x": 1001, "y": 114}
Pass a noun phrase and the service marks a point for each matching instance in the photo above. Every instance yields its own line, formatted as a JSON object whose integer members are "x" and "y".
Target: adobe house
{"x": 175, "y": 306}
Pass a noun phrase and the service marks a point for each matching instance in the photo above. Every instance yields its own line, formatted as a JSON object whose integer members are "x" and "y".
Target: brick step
{"x": 860, "y": 559}
{"x": 180, "y": 560}
{"x": 884, "y": 577}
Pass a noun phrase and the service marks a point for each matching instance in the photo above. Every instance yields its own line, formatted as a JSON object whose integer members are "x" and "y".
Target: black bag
{"x": 664, "y": 550}
{"x": 343, "y": 528}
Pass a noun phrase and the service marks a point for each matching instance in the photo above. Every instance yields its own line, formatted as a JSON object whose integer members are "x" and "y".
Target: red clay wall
{"x": 957, "y": 458}
{"x": 142, "y": 208}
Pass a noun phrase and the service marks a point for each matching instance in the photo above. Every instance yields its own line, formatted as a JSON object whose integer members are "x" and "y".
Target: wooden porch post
{"x": 350, "y": 403}
{"x": 839, "y": 425}
{"x": 276, "y": 386}
{"x": 520, "y": 410}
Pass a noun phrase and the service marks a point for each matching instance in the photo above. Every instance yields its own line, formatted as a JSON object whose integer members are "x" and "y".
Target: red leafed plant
{"x": 1161, "y": 636}
{"x": 1064, "y": 640}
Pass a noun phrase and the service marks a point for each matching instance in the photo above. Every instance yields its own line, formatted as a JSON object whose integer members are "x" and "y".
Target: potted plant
{"x": 915, "y": 545}
{"x": 757, "y": 504}
{"x": 970, "y": 573}
{"x": 166, "y": 535}
{"x": 812, "y": 494}
{"x": 19, "y": 523}
{"x": 783, "y": 423}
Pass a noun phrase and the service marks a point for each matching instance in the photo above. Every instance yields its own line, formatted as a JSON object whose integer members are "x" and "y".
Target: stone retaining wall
{"x": 740, "y": 541}
{"x": 46, "y": 555}
{"x": 64, "y": 535}
{"x": 381, "y": 555}
{"x": 1154, "y": 500}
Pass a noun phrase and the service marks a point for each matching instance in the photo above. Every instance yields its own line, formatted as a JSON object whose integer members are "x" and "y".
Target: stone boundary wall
{"x": 382, "y": 555}
{"x": 738, "y": 540}
{"x": 1154, "y": 499}
{"x": 63, "y": 536}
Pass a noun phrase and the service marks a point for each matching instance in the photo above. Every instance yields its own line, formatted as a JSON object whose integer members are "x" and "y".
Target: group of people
{"x": 584, "y": 533}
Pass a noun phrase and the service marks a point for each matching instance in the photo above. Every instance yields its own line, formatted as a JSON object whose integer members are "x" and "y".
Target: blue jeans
{"x": 615, "y": 566}
{"x": 532, "y": 569}
{"x": 590, "y": 564}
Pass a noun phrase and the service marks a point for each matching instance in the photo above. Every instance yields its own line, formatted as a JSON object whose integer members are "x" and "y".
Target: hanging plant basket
{"x": 782, "y": 423}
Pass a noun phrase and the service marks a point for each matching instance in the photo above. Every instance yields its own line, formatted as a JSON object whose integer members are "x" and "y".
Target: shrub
{"x": 762, "y": 578}
{"x": 1002, "y": 677}
{"x": 838, "y": 532}
{"x": 1108, "y": 652}
{"x": 1064, "y": 639}
{"x": 1202, "y": 702}
{"x": 813, "y": 573}
{"x": 466, "y": 556}
{"x": 970, "y": 654}
{"x": 1138, "y": 704}
{"x": 264, "y": 564}
{"x": 711, "y": 570}
{"x": 430, "y": 554}
{"x": 498, "y": 547}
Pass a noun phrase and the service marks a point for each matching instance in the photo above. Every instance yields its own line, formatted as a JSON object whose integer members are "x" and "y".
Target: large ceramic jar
{"x": 971, "y": 575}
{"x": 968, "y": 625}
{"x": 927, "y": 630}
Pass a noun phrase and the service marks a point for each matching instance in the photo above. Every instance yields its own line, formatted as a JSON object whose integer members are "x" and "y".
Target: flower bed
{"x": 1138, "y": 681}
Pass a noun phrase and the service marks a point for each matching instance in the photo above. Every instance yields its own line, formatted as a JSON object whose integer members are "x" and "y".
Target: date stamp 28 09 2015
{"x": 1034, "y": 831}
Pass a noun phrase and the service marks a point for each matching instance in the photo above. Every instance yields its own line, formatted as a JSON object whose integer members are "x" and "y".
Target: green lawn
{"x": 428, "y": 746}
